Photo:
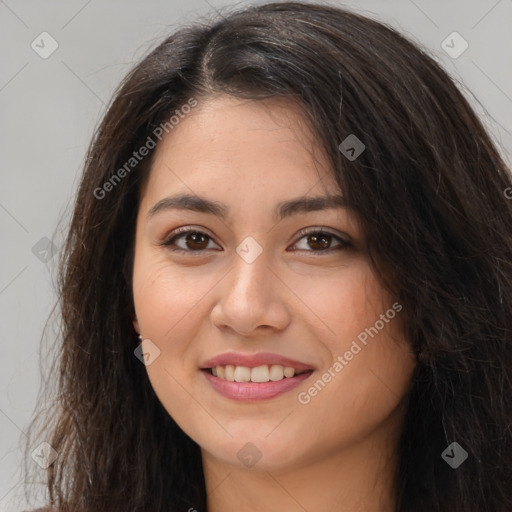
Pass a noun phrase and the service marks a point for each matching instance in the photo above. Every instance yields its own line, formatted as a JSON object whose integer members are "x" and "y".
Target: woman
{"x": 287, "y": 283}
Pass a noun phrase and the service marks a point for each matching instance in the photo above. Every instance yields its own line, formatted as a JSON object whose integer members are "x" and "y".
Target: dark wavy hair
{"x": 429, "y": 192}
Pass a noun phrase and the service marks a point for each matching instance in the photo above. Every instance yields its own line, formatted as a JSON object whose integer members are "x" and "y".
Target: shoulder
{"x": 44, "y": 509}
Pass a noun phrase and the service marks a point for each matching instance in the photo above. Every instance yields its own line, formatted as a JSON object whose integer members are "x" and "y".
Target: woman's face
{"x": 266, "y": 282}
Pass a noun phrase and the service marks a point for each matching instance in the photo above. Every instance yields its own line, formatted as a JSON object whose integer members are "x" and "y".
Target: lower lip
{"x": 250, "y": 391}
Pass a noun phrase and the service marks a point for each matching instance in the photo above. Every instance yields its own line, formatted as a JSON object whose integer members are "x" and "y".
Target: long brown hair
{"x": 429, "y": 192}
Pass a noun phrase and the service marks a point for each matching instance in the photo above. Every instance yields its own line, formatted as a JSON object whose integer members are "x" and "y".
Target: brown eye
{"x": 320, "y": 241}
{"x": 189, "y": 240}
{"x": 196, "y": 241}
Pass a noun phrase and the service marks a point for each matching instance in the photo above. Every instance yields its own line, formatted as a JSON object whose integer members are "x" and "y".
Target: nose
{"x": 251, "y": 299}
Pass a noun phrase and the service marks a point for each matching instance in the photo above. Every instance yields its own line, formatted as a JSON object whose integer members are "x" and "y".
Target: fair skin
{"x": 335, "y": 453}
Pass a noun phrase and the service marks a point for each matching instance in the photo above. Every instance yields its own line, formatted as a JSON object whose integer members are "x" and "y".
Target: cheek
{"x": 167, "y": 296}
{"x": 346, "y": 302}
{"x": 366, "y": 388}
{"x": 364, "y": 395}
{"x": 375, "y": 373}
{"x": 168, "y": 302}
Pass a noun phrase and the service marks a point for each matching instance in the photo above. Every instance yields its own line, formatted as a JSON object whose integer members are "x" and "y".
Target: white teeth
{"x": 229, "y": 373}
{"x": 263, "y": 373}
{"x": 289, "y": 371}
{"x": 242, "y": 374}
{"x": 260, "y": 374}
{"x": 276, "y": 372}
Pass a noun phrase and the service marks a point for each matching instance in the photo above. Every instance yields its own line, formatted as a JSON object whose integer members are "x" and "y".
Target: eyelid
{"x": 319, "y": 229}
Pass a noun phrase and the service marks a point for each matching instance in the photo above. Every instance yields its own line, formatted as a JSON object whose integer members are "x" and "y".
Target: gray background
{"x": 51, "y": 106}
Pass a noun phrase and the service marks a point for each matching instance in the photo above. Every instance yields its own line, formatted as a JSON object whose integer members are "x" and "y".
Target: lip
{"x": 253, "y": 360}
{"x": 253, "y": 391}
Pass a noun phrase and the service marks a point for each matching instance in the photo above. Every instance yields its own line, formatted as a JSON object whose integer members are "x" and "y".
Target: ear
{"x": 135, "y": 323}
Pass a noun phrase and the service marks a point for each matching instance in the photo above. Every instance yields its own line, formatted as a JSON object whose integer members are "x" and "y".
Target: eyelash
{"x": 180, "y": 232}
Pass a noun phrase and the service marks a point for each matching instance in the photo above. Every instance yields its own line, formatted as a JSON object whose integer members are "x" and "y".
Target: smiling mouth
{"x": 258, "y": 374}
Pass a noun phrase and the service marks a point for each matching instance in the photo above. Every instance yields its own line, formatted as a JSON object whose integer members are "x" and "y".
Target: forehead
{"x": 227, "y": 145}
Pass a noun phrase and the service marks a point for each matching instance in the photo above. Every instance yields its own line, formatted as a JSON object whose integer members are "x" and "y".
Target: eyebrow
{"x": 283, "y": 209}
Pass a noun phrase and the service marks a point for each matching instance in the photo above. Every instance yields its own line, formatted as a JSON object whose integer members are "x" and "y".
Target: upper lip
{"x": 253, "y": 360}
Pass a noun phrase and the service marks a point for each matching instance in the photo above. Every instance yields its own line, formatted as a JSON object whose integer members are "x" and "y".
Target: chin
{"x": 256, "y": 449}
